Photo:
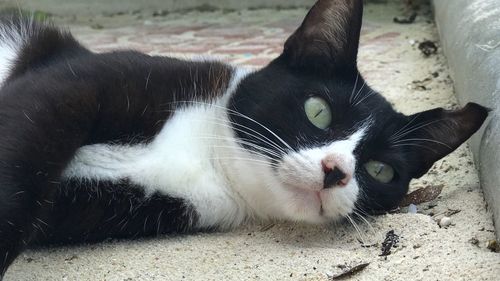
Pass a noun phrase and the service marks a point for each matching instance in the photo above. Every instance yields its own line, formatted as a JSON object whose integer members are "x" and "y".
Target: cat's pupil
{"x": 318, "y": 112}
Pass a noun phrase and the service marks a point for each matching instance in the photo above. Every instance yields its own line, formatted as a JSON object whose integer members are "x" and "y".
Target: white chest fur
{"x": 182, "y": 161}
{"x": 191, "y": 158}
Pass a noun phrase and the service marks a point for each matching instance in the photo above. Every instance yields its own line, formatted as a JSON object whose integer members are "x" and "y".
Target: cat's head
{"x": 332, "y": 143}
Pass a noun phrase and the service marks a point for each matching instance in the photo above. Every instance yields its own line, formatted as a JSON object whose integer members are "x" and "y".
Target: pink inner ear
{"x": 328, "y": 36}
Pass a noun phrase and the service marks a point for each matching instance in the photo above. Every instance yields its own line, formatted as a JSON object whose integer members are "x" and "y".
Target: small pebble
{"x": 412, "y": 209}
{"x": 494, "y": 246}
{"x": 445, "y": 221}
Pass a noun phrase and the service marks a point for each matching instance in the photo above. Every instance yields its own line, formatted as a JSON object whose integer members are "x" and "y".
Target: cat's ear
{"x": 435, "y": 133}
{"x": 328, "y": 38}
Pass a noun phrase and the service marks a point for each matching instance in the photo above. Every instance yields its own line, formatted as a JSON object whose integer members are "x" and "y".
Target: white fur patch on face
{"x": 302, "y": 176}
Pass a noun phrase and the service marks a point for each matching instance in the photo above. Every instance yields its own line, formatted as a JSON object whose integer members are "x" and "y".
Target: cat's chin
{"x": 321, "y": 206}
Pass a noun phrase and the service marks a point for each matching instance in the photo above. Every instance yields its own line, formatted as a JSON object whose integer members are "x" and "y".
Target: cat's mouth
{"x": 321, "y": 210}
{"x": 320, "y": 205}
{"x": 318, "y": 201}
{"x": 309, "y": 199}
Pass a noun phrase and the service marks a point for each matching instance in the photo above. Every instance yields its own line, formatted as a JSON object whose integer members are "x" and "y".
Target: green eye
{"x": 380, "y": 171}
{"x": 318, "y": 112}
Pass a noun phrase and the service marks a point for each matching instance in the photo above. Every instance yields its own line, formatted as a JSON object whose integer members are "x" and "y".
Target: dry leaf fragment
{"x": 422, "y": 195}
{"x": 391, "y": 240}
{"x": 408, "y": 20}
{"x": 267, "y": 227}
{"x": 428, "y": 48}
{"x": 350, "y": 271}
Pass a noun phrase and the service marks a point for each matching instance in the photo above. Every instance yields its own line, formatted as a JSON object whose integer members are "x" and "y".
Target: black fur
{"x": 47, "y": 45}
{"x": 52, "y": 105}
{"x": 99, "y": 210}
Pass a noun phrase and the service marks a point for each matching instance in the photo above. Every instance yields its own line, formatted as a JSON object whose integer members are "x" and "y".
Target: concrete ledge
{"x": 470, "y": 36}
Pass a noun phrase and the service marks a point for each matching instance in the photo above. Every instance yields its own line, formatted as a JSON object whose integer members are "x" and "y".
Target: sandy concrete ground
{"x": 392, "y": 63}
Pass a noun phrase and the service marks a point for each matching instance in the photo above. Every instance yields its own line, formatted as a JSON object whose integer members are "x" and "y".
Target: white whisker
{"x": 354, "y": 88}
{"x": 414, "y": 128}
{"x": 251, "y": 132}
{"x": 233, "y": 112}
{"x": 358, "y": 93}
{"x": 365, "y": 221}
{"x": 416, "y": 145}
{"x": 371, "y": 93}
{"x": 421, "y": 139}
{"x": 265, "y": 163}
{"x": 356, "y": 227}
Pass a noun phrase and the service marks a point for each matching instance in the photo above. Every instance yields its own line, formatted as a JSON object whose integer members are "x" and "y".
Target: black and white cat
{"x": 123, "y": 144}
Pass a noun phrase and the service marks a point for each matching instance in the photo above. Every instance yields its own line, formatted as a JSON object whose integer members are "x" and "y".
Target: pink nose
{"x": 334, "y": 175}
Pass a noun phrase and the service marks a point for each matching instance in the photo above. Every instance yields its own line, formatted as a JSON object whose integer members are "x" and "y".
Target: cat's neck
{"x": 220, "y": 177}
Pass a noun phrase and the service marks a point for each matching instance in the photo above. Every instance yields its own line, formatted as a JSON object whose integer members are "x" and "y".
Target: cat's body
{"x": 126, "y": 145}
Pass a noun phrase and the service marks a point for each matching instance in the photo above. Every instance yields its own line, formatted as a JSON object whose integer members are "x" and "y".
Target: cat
{"x": 123, "y": 144}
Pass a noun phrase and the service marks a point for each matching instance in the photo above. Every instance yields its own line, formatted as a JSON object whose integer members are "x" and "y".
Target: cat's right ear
{"x": 435, "y": 133}
{"x": 328, "y": 38}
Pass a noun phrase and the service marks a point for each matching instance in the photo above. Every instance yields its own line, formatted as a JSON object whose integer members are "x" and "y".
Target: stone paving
{"x": 391, "y": 62}
{"x": 252, "y": 38}
{"x": 247, "y": 38}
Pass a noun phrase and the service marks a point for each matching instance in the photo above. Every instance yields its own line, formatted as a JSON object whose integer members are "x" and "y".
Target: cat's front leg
{"x": 15, "y": 223}
{"x": 41, "y": 130}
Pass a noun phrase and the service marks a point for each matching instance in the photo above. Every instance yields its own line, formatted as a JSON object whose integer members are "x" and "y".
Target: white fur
{"x": 181, "y": 161}
{"x": 302, "y": 176}
{"x": 12, "y": 40}
{"x": 196, "y": 157}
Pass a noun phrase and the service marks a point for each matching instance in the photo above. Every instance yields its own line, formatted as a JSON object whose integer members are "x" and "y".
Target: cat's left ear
{"x": 328, "y": 38}
{"x": 435, "y": 133}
